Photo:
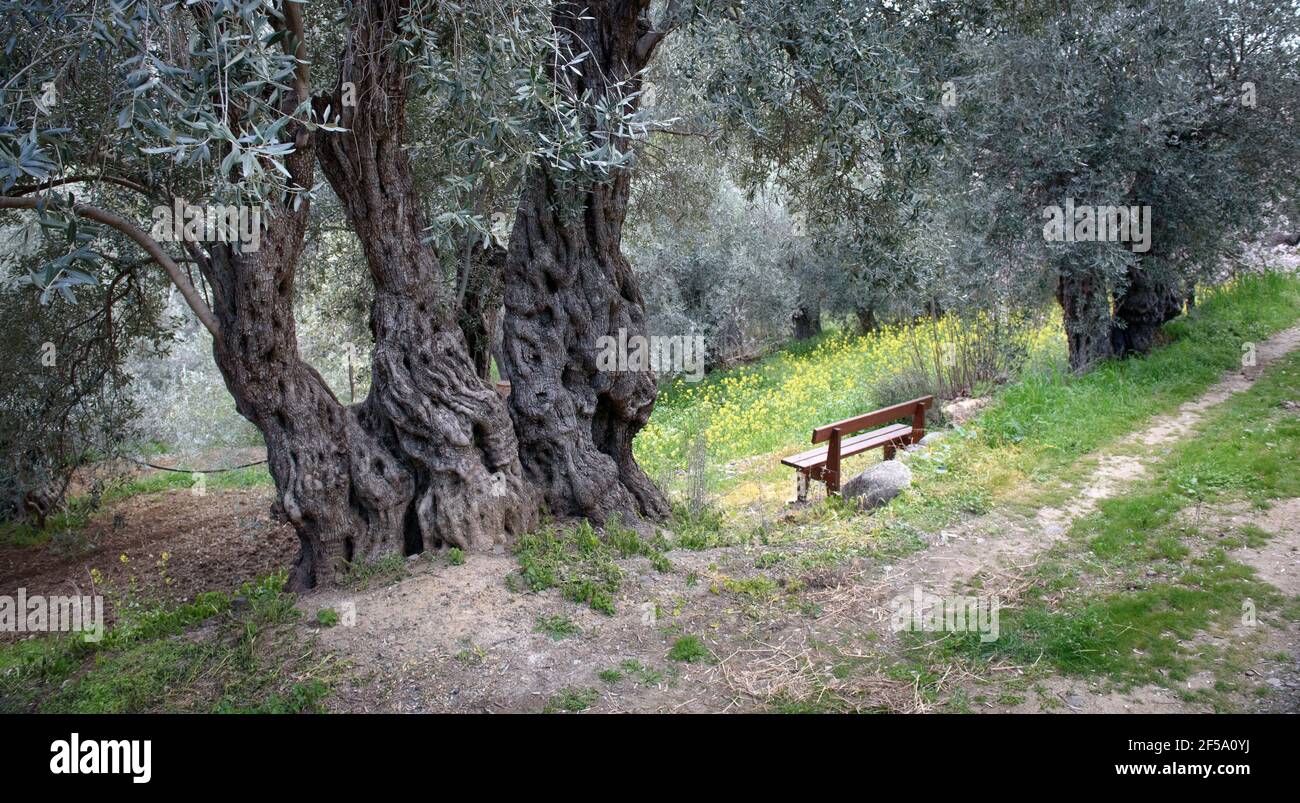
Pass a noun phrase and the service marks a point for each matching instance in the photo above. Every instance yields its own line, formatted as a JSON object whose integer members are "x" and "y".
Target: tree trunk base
{"x": 1086, "y": 313}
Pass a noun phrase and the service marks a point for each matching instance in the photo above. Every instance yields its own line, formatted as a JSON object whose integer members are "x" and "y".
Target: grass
{"x": 1055, "y": 417}
{"x": 1132, "y": 637}
{"x": 572, "y": 700}
{"x": 161, "y": 481}
{"x": 207, "y": 655}
{"x": 558, "y": 627}
{"x": 633, "y": 670}
{"x": 688, "y": 649}
{"x": 361, "y": 575}
{"x": 301, "y": 697}
{"x": 1138, "y": 580}
{"x": 701, "y": 528}
{"x": 581, "y": 561}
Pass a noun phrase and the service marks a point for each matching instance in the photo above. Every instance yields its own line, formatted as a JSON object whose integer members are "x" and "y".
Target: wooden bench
{"x": 842, "y": 440}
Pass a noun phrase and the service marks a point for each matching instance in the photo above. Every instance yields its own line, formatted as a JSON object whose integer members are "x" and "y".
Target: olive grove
{"x": 467, "y": 191}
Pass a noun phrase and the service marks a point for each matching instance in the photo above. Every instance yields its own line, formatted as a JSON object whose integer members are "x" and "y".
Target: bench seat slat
{"x": 851, "y": 446}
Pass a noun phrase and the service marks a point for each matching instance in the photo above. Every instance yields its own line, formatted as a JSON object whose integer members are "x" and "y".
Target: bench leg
{"x": 800, "y": 487}
{"x": 832, "y": 469}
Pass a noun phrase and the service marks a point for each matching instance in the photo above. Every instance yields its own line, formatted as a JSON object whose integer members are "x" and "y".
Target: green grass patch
{"x": 634, "y": 670}
{"x": 581, "y": 561}
{"x": 241, "y": 659}
{"x": 161, "y": 481}
{"x": 1167, "y": 579}
{"x": 385, "y": 571}
{"x": 572, "y": 700}
{"x": 1133, "y": 636}
{"x": 558, "y": 627}
{"x": 688, "y": 649}
{"x": 1055, "y": 417}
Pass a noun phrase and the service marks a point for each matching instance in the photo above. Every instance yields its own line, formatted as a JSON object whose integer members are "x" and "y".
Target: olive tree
{"x": 220, "y": 103}
{"x": 1180, "y": 111}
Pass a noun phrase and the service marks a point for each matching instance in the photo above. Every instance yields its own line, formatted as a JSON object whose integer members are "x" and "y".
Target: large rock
{"x": 878, "y": 484}
{"x": 931, "y": 438}
{"x": 959, "y": 411}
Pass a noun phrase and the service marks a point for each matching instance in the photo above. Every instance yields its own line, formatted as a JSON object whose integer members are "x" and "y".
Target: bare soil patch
{"x": 214, "y": 542}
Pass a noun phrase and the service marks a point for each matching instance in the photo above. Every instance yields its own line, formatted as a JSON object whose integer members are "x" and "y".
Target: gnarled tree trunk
{"x": 807, "y": 322}
{"x": 448, "y": 429}
{"x": 1086, "y": 311}
{"x": 311, "y": 439}
{"x": 567, "y": 285}
{"x": 866, "y": 318}
{"x": 807, "y": 316}
{"x": 1153, "y": 291}
{"x": 807, "y": 319}
{"x": 429, "y": 458}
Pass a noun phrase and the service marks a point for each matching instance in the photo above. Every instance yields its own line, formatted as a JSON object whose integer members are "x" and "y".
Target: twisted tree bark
{"x": 429, "y": 458}
{"x": 1153, "y": 291}
{"x": 866, "y": 318}
{"x": 1086, "y": 312}
{"x": 449, "y": 429}
{"x": 807, "y": 320}
{"x": 311, "y": 439}
{"x": 568, "y": 285}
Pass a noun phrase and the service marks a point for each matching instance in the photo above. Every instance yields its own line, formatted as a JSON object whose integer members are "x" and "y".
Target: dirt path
{"x": 1274, "y": 652}
{"x": 1001, "y": 546}
{"x": 998, "y": 549}
{"x": 1277, "y": 562}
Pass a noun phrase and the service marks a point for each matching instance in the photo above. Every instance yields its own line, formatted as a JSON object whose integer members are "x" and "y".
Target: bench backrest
{"x": 914, "y": 408}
